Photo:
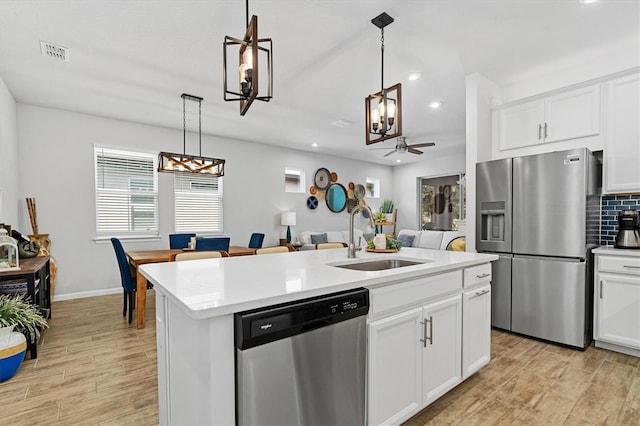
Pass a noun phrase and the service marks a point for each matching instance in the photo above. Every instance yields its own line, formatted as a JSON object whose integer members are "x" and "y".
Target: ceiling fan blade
{"x": 381, "y": 148}
{"x": 389, "y": 153}
{"x": 414, "y": 151}
{"x": 421, "y": 145}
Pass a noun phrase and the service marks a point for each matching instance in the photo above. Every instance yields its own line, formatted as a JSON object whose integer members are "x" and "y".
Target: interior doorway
{"x": 442, "y": 202}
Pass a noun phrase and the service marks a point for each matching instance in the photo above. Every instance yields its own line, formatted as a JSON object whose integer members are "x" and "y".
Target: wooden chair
{"x": 278, "y": 249}
{"x": 256, "y": 240}
{"x": 322, "y": 246}
{"x": 191, "y": 255}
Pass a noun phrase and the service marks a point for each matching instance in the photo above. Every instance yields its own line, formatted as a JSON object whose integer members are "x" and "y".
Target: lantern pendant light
{"x": 383, "y": 109}
{"x": 253, "y": 52}
{"x": 170, "y": 162}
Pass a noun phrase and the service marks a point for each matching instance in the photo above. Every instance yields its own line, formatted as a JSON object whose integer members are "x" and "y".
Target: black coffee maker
{"x": 628, "y": 230}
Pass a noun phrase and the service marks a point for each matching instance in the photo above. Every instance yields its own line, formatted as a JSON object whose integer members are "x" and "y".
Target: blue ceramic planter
{"x": 13, "y": 346}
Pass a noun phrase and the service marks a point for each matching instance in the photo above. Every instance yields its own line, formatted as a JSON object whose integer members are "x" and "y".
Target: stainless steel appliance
{"x": 303, "y": 363}
{"x": 628, "y": 230}
{"x": 540, "y": 214}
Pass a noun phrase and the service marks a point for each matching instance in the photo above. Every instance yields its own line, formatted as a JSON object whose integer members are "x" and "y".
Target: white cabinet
{"x": 414, "y": 358}
{"x": 617, "y": 303}
{"x": 567, "y": 115}
{"x": 442, "y": 344}
{"x": 621, "y": 156}
{"x": 476, "y": 329}
{"x": 395, "y": 367}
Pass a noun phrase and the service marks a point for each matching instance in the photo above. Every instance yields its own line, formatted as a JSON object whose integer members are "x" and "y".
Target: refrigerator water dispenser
{"x": 492, "y": 221}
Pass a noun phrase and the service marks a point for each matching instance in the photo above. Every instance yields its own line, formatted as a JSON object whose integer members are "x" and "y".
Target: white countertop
{"x": 616, "y": 251}
{"x": 213, "y": 287}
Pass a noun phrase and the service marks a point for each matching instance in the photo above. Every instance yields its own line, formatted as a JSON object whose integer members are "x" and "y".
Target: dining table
{"x": 140, "y": 257}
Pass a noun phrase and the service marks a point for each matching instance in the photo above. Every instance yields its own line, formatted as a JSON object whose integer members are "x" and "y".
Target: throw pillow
{"x": 406, "y": 240}
{"x": 319, "y": 238}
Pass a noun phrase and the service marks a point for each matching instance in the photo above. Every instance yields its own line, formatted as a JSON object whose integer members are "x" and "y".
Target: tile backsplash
{"x": 610, "y": 206}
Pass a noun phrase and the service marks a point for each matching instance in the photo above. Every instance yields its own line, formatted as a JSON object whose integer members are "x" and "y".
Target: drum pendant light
{"x": 170, "y": 162}
{"x": 383, "y": 109}
{"x": 253, "y": 53}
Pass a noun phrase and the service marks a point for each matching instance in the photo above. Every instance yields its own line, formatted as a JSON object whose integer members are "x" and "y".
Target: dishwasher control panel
{"x": 275, "y": 322}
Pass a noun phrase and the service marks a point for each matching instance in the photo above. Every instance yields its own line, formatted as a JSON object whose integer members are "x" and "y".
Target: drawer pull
{"x": 632, "y": 267}
{"x": 480, "y": 293}
{"x": 483, "y": 275}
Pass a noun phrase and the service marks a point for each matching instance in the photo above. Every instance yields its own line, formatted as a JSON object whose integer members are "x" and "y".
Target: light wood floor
{"x": 95, "y": 369}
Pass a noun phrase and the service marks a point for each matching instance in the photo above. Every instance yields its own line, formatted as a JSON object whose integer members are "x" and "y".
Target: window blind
{"x": 198, "y": 202}
{"x": 126, "y": 193}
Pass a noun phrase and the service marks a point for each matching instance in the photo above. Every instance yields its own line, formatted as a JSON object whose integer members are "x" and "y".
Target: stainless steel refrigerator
{"x": 540, "y": 215}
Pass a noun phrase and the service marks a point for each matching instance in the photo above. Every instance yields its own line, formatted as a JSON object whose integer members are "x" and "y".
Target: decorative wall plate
{"x": 351, "y": 194}
{"x": 334, "y": 177}
{"x": 313, "y": 190}
{"x": 352, "y": 185}
{"x": 322, "y": 178}
{"x": 351, "y": 204}
{"x": 312, "y": 203}
{"x": 359, "y": 191}
{"x": 320, "y": 195}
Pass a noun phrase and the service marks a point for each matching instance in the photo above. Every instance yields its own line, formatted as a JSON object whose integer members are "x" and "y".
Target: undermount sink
{"x": 378, "y": 264}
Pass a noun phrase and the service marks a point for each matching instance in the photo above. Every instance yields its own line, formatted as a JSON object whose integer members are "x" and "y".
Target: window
{"x": 442, "y": 202}
{"x": 373, "y": 187}
{"x": 294, "y": 180}
{"x": 198, "y": 202}
{"x": 126, "y": 193}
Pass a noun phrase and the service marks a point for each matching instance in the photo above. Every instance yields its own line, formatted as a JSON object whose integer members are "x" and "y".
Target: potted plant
{"x": 387, "y": 208}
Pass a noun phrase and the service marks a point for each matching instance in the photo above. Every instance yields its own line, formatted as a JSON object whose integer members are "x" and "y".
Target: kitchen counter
{"x": 196, "y": 300}
{"x": 213, "y": 287}
{"x": 616, "y": 251}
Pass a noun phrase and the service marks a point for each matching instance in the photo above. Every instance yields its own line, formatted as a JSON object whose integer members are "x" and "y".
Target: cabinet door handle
{"x": 539, "y": 131}
{"x": 545, "y": 130}
{"x": 632, "y": 266}
{"x": 424, "y": 333}
{"x": 480, "y": 293}
{"x": 600, "y": 289}
{"x": 430, "y": 337}
{"x": 483, "y": 275}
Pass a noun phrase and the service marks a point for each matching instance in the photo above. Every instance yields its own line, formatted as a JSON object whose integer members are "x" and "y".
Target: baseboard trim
{"x": 83, "y": 294}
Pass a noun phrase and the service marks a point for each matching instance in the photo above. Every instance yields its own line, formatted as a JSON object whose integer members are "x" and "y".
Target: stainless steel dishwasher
{"x": 303, "y": 363}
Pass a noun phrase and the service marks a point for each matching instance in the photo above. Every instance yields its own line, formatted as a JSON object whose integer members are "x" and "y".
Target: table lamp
{"x": 288, "y": 219}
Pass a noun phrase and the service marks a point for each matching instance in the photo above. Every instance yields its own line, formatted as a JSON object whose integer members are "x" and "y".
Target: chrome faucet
{"x": 351, "y": 251}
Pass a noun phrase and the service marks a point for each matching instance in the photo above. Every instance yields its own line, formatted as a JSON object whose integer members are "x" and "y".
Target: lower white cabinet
{"x": 617, "y": 303}
{"x": 476, "y": 329}
{"x": 414, "y": 358}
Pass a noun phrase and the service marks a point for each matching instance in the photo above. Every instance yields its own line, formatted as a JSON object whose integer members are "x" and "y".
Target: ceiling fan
{"x": 402, "y": 147}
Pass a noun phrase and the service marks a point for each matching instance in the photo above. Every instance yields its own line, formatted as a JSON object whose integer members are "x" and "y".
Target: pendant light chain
{"x": 247, "y": 13}
{"x": 382, "y": 54}
{"x": 200, "y": 125}
{"x": 184, "y": 125}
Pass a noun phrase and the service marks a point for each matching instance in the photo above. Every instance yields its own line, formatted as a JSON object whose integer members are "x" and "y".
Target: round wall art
{"x": 322, "y": 178}
{"x": 312, "y": 203}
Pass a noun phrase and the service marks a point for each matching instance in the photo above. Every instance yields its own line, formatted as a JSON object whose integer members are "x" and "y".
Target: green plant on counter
{"x": 392, "y": 243}
{"x": 387, "y": 206}
{"x": 14, "y": 310}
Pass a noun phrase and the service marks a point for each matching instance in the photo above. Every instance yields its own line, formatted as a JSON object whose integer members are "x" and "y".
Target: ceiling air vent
{"x": 53, "y": 51}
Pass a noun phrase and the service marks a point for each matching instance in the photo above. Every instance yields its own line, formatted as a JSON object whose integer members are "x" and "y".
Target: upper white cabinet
{"x": 567, "y": 115}
{"x": 621, "y": 154}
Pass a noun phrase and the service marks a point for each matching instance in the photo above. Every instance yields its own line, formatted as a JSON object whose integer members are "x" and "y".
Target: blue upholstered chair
{"x": 128, "y": 281}
{"x": 213, "y": 243}
{"x": 180, "y": 241}
{"x": 256, "y": 240}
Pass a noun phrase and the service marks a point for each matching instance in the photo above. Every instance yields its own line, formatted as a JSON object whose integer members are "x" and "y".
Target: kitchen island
{"x": 196, "y": 300}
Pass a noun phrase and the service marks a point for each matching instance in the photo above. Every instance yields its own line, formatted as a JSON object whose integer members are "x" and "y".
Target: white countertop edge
{"x": 360, "y": 279}
{"x": 617, "y": 251}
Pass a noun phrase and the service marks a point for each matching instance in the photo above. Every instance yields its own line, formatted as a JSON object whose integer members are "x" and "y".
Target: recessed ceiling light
{"x": 414, "y": 76}
{"x": 587, "y": 1}
{"x": 398, "y": 161}
{"x": 315, "y": 145}
{"x": 435, "y": 104}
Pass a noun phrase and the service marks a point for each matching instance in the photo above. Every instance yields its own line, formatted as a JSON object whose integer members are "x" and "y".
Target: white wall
{"x": 8, "y": 158}
{"x": 59, "y": 145}
{"x": 406, "y": 183}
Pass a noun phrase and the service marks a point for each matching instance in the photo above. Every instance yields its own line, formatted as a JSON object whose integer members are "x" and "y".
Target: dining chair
{"x": 191, "y": 255}
{"x": 128, "y": 281}
{"x": 256, "y": 240}
{"x": 213, "y": 243}
{"x": 178, "y": 241}
{"x": 277, "y": 249}
{"x": 322, "y": 246}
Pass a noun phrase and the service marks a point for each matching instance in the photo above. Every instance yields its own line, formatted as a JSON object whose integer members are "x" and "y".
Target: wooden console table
{"x": 32, "y": 270}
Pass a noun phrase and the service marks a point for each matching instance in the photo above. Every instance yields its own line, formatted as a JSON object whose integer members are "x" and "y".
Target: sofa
{"x": 437, "y": 240}
{"x": 310, "y": 238}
